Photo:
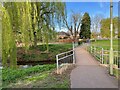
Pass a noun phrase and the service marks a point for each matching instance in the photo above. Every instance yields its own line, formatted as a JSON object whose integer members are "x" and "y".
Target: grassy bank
{"x": 13, "y": 75}
{"x": 106, "y": 44}
{"x": 37, "y": 77}
{"x": 39, "y": 53}
{"x": 40, "y": 75}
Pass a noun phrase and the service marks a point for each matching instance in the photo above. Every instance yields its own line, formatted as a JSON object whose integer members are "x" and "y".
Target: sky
{"x": 93, "y": 8}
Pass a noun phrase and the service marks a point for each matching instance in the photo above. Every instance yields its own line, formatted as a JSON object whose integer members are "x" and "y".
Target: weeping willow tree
{"x": 0, "y": 33}
{"x": 20, "y": 14}
{"x": 49, "y": 15}
{"x": 27, "y": 22}
{"x": 8, "y": 41}
{"x": 16, "y": 23}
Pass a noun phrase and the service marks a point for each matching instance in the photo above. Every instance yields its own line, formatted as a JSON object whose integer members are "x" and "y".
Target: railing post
{"x": 73, "y": 57}
{"x": 94, "y": 51}
{"x": 102, "y": 56}
{"x": 91, "y": 49}
{"x": 73, "y": 54}
{"x": 57, "y": 63}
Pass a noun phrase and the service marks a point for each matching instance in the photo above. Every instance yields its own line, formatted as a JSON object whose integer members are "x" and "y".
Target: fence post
{"x": 94, "y": 51}
{"x": 102, "y": 56}
{"x": 73, "y": 54}
{"x": 91, "y": 49}
{"x": 57, "y": 63}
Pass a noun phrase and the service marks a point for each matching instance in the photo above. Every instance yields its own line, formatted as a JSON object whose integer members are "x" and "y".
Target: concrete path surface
{"x": 89, "y": 74}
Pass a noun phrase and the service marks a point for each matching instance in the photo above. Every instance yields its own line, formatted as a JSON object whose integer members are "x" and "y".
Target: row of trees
{"x": 87, "y": 27}
{"x": 27, "y": 22}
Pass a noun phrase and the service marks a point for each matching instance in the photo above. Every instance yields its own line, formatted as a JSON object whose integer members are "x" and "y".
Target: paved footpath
{"x": 89, "y": 74}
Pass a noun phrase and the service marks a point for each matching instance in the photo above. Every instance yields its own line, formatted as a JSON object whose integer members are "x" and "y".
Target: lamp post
{"x": 111, "y": 38}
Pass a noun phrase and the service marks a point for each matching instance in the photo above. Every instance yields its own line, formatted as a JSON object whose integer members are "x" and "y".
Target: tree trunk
{"x": 35, "y": 39}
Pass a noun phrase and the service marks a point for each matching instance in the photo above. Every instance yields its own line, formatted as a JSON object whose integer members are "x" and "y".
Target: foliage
{"x": 8, "y": 40}
{"x": 46, "y": 80}
{"x": 38, "y": 53}
{"x": 27, "y": 22}
{"x": 85, "y": 27}
{"x": 0, "y": 34}
{"x": 48, "y": 14}
{"x": 11, "y": 75}
{"x": 105, "y": 27}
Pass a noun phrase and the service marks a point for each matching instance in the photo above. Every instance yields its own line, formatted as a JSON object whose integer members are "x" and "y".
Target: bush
{"x": 38, "y": 53}
{"x": 92, "y": 40}
{"x": 79, "y": 42}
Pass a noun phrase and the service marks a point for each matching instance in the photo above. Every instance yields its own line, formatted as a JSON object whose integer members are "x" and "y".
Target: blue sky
{"x": 92, "y": 8}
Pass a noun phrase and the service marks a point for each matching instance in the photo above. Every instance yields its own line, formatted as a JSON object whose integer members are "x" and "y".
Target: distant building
{"x": 63, "y": 35}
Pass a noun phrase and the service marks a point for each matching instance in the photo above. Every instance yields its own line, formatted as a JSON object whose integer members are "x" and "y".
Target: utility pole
{"x": 111, "y": 38}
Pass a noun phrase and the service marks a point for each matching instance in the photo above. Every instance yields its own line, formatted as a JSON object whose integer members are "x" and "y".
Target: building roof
{"x": 63, "y": 33}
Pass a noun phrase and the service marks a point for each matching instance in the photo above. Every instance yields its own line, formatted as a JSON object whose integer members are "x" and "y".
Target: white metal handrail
{"x": 64, "y": 53}
{"x": 65, "y": 57}
{"x": 67, "y": 54}
{"x": 103, "y": 55}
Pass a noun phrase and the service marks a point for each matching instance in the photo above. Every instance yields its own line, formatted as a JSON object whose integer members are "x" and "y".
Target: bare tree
{"x": 73, "y": 24}
{"x": 96, "y": 23}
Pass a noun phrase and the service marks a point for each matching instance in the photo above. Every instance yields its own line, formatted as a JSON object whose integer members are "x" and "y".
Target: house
{"x": 63, "y": 35}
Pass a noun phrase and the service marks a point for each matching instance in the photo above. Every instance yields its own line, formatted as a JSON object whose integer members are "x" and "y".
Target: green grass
{"x": 39, "y": 53}
{"x": 12, "y": 75}
{"x": 106, "y": 44}
{"x": 116, "y": 73}
{"x": 46, "y": 79}
{"x": 30, "y": 75}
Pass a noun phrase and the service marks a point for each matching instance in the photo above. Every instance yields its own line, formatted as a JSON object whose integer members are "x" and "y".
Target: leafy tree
{"x": 85, "y": 27}
{"x": 48, "y": 16}
{"x": 105, "y": 27}
{"x": 8, "y": 40}
{"x": 20, "y": 19}
{"x": 27, "y": 22}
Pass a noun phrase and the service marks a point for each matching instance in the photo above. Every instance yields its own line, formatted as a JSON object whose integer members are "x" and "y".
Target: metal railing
{"x": 102, "y": 55}
{"x": 66, "y": 57}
